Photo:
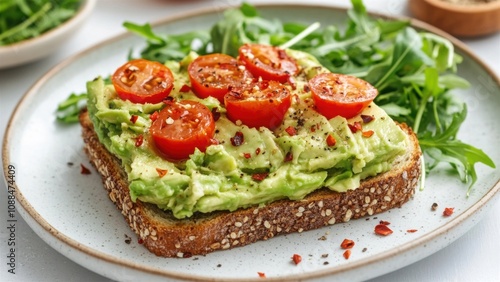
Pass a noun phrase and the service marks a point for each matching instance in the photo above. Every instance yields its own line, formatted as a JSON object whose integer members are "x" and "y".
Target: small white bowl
{"x": 36, "y": 48}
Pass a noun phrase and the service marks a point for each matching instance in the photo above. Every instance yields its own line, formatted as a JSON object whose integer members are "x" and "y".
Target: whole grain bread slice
{"x": 167, "y": 236}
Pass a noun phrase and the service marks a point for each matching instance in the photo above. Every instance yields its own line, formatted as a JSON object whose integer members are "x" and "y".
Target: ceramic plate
{"x": 72, "y": 213}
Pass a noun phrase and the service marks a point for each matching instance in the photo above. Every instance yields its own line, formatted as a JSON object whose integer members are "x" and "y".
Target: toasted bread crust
{"x": 167, "y": 236}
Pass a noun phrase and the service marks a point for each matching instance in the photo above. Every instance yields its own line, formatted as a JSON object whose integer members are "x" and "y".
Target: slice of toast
{"x": 167, "y": 236}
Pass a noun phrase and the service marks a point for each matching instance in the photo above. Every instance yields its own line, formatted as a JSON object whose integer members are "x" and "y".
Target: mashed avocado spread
{"x": 223, "y": 177}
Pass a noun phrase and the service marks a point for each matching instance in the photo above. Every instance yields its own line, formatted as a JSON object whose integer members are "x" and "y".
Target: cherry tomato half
{"x": 143, "y": 81}
{"x": 213, "y": 75}
{"x": 341, "y": 95}
{"x": 268, "y": 62}
{"x": 181, "y": 127}
{"x": 265, "y": 104}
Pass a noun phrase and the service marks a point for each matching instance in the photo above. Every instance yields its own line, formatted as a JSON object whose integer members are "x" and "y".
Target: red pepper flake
{"x": 313, "y": 128}
{"x": 84, "y": 170}
{"x": 153, "y": 116}
{"x": 288, "y": 157}
{"x": 296, "y": 258}
{"x": 347, "y": 254}
{"x": 215, "y": 114}
{"x": 261, "y": 274}
{"x": 133, "y": 118}
{"x": 411, "y": 230}
{"x": 161, "y": 172}
{"x": 355, "y": 127}
{"x": 330, "y": 140}
{"x": 291, "y": 131}
{"x": 140, "y": 241}
{"x": 306, "y": 88}
{"x": 139, "y": 140}
{"x": 185, "y": 88}
{"x": 238, "y": 139}
{"x": 434, "y": 206}
{"x": 367, "y": 133}
{"x": 384, "y": 222}
{"x": 382, "y": 229}
{"x": 347, "y": 244}
{"x": 260, "y": 176}
{"x": 448, "y": 211}
{"x": 367, "y": 118}
{"x": 247, "y": 155}
{"x": 257, "y": 151}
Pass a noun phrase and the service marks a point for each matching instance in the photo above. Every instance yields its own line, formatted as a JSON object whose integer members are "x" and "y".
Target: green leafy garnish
{"x": 24, "y": 19}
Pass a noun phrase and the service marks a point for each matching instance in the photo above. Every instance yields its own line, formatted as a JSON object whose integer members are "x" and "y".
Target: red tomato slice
{"x": 265, "y": 104}
{"x": 143, "y": 81}
{"x": 268, "y": 62}
{"x": 181, "y": 127}
{"x": 341, "y": 95}
{"x": 213, "y": 75}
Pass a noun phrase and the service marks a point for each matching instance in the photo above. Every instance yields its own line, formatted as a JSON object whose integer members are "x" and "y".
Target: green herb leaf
{"x": 415, "y": 73}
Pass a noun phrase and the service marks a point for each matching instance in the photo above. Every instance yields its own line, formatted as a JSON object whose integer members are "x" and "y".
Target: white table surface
{"x": 473, "y": 257}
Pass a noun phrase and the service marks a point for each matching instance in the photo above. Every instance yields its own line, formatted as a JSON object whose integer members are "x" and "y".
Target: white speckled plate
{"x": 72, "y": 213}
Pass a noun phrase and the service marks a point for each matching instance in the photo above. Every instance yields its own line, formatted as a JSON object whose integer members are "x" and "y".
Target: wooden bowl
{"x": 461, "y": 20}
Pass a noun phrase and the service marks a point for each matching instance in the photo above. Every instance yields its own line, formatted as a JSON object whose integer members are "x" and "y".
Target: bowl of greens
{"x": 33, "y": 29}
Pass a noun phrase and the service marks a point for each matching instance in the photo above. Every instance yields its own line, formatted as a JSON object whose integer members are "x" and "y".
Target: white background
{"x": 473, "y": 257}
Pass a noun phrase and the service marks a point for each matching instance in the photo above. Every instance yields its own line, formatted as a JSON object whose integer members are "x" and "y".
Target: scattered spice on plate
{"x": 128, "y": 240}
{"x": 469, "y": 2}
{"x": 411, "y": 230}
{"x": 383, "y": 222}
{"x": 261, "y": 274}
{"x": 322, "y": 238}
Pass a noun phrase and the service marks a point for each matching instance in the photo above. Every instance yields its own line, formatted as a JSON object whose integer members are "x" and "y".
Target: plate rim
{"x": 72, "y": 243}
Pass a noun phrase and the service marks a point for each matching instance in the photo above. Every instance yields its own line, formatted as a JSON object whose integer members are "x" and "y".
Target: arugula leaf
{"x": 414, "y": 72}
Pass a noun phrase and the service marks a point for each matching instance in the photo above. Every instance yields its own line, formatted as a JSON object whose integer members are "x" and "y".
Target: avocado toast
{"x": 252, "y": 182}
